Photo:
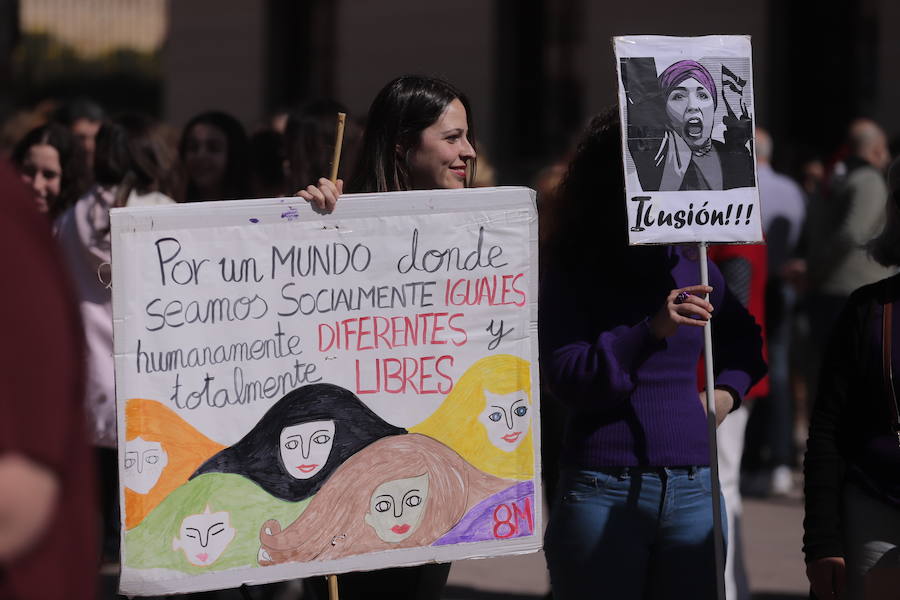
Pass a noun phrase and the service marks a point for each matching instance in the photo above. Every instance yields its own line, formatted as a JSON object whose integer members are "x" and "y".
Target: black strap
{"x": 887, "y": 365}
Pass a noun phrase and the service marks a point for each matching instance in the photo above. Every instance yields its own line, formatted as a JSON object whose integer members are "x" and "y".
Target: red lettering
{"x": 437, "y": 367}
{"x": 347, "y": 331}
{"x": 376, "y": 332}
{"x": 425, "y": 373}
{"x": 465, "y": 337}
{"x": 410, "y": 369}
{"x": 435, "y": 328}
{"x": 505, "y": 524}
{"x": 359, "y": 389}
{"x": 508, "y": 525}
{"x": 394, "y": 330}
{"x": 323, "y": 347}
{"x": 362, "y": 333}
{"x": 528, "y": 515}
{"x": 393, "y": 375}
{"x": 490, "y": 291}
{"x": 518, "y": 291}
{"x": 381, "y": 334}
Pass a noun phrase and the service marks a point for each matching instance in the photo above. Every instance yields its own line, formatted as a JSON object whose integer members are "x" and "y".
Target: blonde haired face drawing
{"x": 487, "y": 417}
{"x": 507, "y": 419}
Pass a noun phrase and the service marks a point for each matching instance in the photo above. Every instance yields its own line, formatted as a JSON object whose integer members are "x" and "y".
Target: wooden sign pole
{"x": 716, "y": 486}
{"x": 335, "y": 162}
{"x": 338, "y": 144}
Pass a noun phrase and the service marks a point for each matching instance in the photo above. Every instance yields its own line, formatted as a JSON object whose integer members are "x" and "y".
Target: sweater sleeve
{"x": 586, "y": 370}
{"x": 824, "y": 465}
{"x": 737, "y": 348}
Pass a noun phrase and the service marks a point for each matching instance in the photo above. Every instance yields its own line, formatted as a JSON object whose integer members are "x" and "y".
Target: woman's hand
{"x": 684, "y": 306}
{"x": 724, "y": 403}
{"x": 324, "y": 196}
{"x": 827, "y": 577}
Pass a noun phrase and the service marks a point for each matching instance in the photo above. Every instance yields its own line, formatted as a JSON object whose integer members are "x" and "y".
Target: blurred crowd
{"x": 78, "y": 162}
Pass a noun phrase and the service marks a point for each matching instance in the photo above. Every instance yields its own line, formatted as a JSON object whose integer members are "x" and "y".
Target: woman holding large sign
{"x": 621, "y": 335}
{"x": 417, "y": 137}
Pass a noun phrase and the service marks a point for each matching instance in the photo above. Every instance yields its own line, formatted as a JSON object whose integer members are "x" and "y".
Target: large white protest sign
{"x": 686, "y": 106}
{"x": 303, "y": 395}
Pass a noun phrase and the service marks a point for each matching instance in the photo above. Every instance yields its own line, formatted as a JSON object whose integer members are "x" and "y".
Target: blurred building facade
{"x": 535, "y": 70}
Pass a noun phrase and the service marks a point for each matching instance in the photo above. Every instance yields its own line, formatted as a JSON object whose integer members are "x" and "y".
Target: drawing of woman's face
{"x": 144, "y": 463}
{"x": 690, "y": 108}
{"x": 203, "y": 537}
{"x": 305, "y": 447}
{"x": 396, "y": 507}
{"x": 507, "y": 418}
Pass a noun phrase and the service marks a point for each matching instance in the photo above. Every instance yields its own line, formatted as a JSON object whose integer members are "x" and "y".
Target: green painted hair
{"x": 149, "y": 545}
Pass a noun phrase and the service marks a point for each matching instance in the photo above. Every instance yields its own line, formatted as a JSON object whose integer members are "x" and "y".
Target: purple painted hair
{"x": 685, "y": 69}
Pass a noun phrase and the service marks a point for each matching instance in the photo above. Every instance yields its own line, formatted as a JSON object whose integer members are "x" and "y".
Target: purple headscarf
{"x": 685, "y": 69}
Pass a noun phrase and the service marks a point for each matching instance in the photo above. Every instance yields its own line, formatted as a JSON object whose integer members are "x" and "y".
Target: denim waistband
{"x": 621, "y": 472}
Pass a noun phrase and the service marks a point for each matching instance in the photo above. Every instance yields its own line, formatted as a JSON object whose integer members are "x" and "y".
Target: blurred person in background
{"x": 267, "y": 164}
{"x": 47, "y": 517}
{"x": 21, "y": 122}
{"x": 133, "y": 167}
{"x": 215, "y": 158}
{"x": 83, "y": 118}
{"x": 839, "y": 226}
{"x": 487, "y": 174}
{"x": 852, "y": 466}
{"x": 783, "y": 207}
{"x": 309, "y": 143}
{"x": 744, "y": 268}
{"x": 51, "y": 163}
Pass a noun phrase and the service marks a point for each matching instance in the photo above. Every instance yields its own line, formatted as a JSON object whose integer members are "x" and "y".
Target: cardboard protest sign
{"x": 305, "y": 395}
{"x": 686, "y": 106}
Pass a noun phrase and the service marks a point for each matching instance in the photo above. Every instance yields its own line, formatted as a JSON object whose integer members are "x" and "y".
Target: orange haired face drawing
{"x": 161, "y": 452}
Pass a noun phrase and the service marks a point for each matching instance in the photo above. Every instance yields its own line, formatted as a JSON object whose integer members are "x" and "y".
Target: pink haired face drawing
{"x": 397, "y": 506}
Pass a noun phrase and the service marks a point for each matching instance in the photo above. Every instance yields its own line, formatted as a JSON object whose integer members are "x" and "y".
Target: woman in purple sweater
{"x": 621, "y": 336}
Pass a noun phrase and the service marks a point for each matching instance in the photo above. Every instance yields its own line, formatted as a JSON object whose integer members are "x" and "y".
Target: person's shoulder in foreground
{"x": 47, "y": 528}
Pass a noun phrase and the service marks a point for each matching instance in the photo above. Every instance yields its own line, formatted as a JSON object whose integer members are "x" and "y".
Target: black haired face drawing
{"x": 301, "y": 440}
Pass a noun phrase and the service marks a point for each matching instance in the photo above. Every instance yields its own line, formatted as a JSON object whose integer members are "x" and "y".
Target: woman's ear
{"x": 399, "y": 150}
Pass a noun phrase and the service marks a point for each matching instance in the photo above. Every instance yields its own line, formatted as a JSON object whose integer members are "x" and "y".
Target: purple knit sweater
{"x": 633, "y": 398}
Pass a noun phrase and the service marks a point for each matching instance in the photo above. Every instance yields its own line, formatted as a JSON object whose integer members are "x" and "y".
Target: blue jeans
{"x": 632, "y": 534}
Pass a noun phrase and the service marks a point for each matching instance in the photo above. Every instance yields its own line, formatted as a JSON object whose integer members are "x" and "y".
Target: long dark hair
{"x": 74, "y": 178}
{"x": 591, "y": 217}
{"x": 132, "y": 155}
{"x": 258, "y": 456}
{"x": 401, "y": 110}
{"x": 236, "y": 183}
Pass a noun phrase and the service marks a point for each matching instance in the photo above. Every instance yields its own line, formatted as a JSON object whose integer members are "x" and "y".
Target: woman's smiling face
{"x": 690, "y": 109}
{"x": 441, "y": 158}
